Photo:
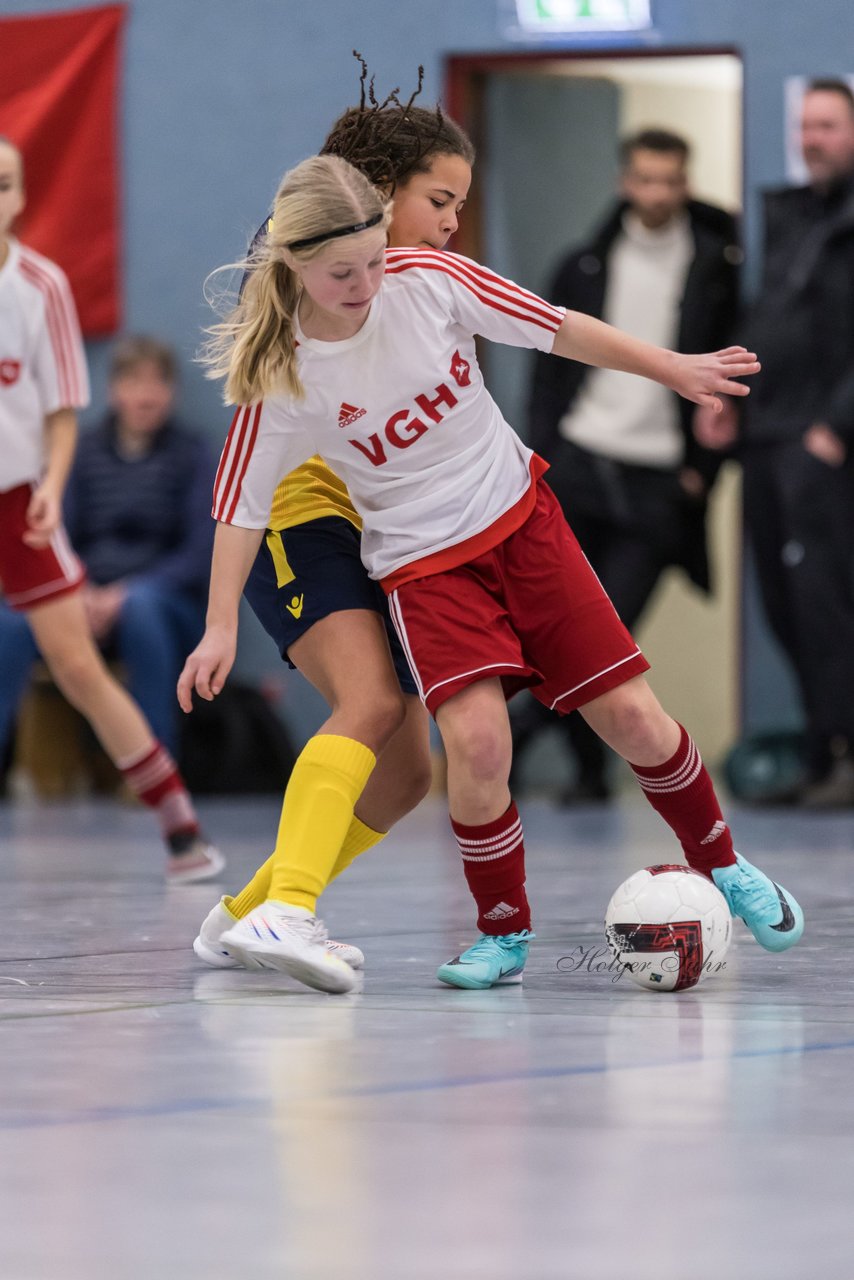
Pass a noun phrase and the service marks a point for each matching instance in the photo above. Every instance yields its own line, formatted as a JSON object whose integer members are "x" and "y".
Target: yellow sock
{"x": 359, "y": 838}
{"x": 327, "y": 780}
{"x": 256, "y": 892}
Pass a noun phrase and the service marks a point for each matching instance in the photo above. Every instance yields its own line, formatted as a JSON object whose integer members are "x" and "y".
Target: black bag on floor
{"x": 235, "y": 745}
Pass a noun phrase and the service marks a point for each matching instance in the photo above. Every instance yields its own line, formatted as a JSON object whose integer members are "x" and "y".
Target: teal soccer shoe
{"x": 770, "y": 912}
{"x": 488, "y": 962}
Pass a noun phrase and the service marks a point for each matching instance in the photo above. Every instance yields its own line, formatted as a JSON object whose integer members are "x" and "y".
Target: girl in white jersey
{"x": 308, "y": 586}
{"x": 488, "y": 590}
{"x": 43, "y": 381}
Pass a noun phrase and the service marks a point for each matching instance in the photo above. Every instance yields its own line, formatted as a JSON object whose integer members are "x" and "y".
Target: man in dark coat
{"x": 625, "y": 465}
{"x": 794, "y": 438}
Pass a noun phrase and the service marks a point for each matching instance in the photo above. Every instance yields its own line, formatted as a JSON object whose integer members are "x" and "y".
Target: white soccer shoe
{"x": 209, "y": 948}
{"x": 279, "y": 936}
{"x": 198, "y": 860}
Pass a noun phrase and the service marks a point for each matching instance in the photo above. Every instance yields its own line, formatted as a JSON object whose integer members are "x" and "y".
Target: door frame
{"x": 465, "y": 94}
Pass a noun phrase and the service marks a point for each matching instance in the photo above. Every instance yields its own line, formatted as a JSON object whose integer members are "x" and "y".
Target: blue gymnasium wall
{"x": 220, "y": 97}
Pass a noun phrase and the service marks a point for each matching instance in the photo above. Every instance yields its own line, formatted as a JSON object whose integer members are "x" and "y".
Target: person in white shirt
{"x": 43, "y": 382}
{"x": 489, "y": 591}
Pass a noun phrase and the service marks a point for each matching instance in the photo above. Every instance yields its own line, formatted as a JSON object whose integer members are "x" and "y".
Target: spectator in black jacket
{"x": 625, "y": 466}
{"x": 137, "y": 511}
{"x": 795, "y": 442}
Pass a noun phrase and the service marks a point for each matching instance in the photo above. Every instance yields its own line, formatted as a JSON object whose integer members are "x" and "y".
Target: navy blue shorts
{"x": 321, "y": 572}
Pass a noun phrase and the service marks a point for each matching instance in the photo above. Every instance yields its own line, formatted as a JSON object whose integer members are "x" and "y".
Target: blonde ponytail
{"x": 254, "y": 347}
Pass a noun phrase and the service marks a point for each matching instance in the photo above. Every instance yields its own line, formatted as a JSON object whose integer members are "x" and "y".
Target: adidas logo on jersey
{"x": 348, "y": 414}
{"x": 501, "y": 912}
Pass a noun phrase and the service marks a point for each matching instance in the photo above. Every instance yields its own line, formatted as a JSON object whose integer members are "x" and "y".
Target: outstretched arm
{"x": 207, "y": 667}
{"x": 702, "y": 378}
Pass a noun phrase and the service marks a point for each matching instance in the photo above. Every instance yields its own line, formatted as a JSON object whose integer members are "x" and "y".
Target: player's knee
{"x": 484, "y": 751}
{"x": 381, "y": 719}
{"x": 635, "y": 728}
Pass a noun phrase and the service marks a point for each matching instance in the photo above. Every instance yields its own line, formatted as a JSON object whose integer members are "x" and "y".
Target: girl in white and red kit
{"x": 43, "y": 382}
{"x": 367, "y": 357}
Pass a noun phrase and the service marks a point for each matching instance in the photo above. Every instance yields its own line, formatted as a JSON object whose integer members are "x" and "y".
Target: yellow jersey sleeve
{"x": 313, "y": 490}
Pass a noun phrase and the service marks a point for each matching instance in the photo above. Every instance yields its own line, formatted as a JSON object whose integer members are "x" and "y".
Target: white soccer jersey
{"x": 42, "y": 362}
{"x": 401, "y": 412}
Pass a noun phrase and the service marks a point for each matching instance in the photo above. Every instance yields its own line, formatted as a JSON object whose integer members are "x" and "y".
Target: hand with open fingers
{"x": 207, "y": 667}
{"x": 705, "y": 378}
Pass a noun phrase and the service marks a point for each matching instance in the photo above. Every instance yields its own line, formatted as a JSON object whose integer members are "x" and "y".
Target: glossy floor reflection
{"x": 160, "y": 1119}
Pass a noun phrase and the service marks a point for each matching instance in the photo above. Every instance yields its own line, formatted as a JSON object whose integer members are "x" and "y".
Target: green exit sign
{"x": 583, "y": 15}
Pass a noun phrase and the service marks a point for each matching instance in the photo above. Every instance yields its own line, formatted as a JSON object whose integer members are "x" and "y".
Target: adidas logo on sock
{"x": 717, "y": 830}
{"x": 348, "y": 414}
{"x": 501, "y": 912}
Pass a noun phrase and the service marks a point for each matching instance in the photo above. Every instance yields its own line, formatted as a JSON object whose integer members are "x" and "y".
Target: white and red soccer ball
{"x": 669, "y": 927}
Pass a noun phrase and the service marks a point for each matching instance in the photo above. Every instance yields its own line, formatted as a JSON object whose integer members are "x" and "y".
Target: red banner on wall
{"x": 59, "y": 76}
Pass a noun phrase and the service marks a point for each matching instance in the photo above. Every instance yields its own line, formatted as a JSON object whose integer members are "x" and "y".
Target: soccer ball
{"x": 669, "y": 927}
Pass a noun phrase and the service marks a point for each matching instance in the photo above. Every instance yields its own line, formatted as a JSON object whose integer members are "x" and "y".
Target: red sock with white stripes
{"x": 153, "y": 777}
{"x": 494, "y": 865}
{"x": 682, "y": 792}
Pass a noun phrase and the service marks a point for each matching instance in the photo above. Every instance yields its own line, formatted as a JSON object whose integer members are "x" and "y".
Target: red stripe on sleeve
{"x": 227, "y": 465}
{"x": 486, "y": 277}
{"x": 247, "y": 454}
{"x": 494, "y": 291}
{"x": 62, "y": 327}
{"x": 234, "y": 461}
{"x": 63, "y": 374}
{"x": 220, "y": 471}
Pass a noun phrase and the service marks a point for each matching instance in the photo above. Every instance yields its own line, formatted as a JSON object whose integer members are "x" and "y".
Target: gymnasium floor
{"x": 160, "y": 1119}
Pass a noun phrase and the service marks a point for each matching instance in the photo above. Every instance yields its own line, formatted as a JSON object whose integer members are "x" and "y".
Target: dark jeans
{"x": 799, "y": 516}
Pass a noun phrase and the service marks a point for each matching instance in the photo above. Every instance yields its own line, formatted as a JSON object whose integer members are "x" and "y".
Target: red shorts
{"x": 531, "y": 611}
{"x": 31, "y": 576}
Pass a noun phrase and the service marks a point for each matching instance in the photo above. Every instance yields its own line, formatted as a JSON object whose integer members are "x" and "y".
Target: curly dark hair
{"x": 390, "y": 140}
{"x": 387, "y": 141}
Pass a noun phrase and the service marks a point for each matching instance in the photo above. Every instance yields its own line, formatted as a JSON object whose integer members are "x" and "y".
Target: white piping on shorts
{"x": 598, "y": 674}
